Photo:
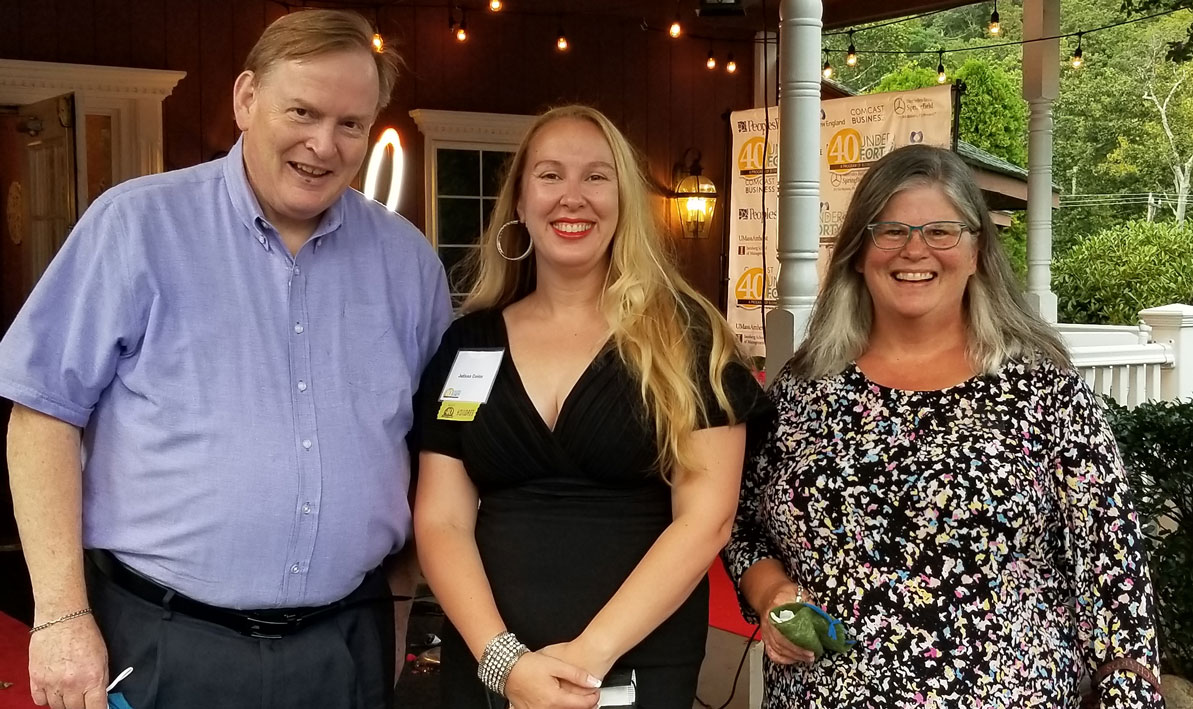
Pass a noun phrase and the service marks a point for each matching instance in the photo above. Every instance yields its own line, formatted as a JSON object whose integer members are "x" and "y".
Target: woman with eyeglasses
{"x": 941, "y": 479}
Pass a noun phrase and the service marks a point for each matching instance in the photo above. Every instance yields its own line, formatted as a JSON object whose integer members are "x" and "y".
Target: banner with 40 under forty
{"x": 854, "y": 133}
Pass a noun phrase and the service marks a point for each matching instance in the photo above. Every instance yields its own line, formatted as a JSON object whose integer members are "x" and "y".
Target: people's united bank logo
{"x": 741, "y": 126}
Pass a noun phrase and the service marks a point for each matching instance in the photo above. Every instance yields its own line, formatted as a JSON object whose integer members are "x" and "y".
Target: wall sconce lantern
{"x": 695, "y": 196}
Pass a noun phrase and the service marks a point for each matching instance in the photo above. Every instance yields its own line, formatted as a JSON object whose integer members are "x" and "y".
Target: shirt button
{"x": 297, "y": 270}
{"x": 302, "y": 386}
{"x": 306, "y": 508}
{"x": 261, "y": 238}
{"x": 307, "y": 444}
{"x": 294, "y": 569}
{"x": 298, "y": 328}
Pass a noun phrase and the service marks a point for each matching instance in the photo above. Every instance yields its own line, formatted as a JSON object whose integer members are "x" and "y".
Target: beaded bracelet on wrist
{"x": 498, "y": 659}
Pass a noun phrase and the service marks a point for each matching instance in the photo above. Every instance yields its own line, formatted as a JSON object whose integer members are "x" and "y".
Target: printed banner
{"x": 854, "y": 133}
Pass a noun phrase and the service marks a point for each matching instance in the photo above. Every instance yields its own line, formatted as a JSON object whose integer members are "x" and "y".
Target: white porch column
{"x": 799, "y": 178}
{"x": 1041, "y": 78}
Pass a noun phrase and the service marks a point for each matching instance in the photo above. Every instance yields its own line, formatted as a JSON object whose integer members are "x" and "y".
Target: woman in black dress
{"x": 567, "y": 524}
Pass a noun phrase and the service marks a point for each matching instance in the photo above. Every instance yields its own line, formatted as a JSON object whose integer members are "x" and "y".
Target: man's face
{"x": 306, "y": 131}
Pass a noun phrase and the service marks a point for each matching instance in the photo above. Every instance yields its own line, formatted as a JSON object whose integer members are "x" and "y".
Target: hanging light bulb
{"x": 994, "y": 28}
{"x": 941, "y": 76}
{"x": 495, "y": 5}
{"x": 730, "y": 65}
{"x": 712, "y": 61}
{"x": 851, "y": 55}
{"x": 827, "y": 71}
{"x": 561, "y": 41}
{"x": 1077, "y": 61}
{"x": 378, "y": 43}
{"x": 675, "y": 30}
{"x": 462, "y": 30}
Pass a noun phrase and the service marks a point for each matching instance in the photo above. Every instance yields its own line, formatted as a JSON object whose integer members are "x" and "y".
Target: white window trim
{"x": 464, "y": 130}
{"x": 132, "y": 97}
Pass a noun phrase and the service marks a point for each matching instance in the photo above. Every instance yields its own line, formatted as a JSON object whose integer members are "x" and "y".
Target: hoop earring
{"x": 501, "y": 251}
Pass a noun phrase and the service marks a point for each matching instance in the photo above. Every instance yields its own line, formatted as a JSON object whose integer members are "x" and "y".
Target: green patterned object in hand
{"x": 809, "y": 627}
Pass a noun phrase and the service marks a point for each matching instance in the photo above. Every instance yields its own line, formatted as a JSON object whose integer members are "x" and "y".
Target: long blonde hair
{"x": 1000, "y": 325}
{"x": 649, "y": 307}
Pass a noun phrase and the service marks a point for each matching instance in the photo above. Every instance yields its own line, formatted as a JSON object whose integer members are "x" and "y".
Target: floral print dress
{"x": 978, "y": 541}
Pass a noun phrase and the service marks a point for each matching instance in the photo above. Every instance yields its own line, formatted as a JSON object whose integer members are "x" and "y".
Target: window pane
{"x": 452, "y": 257}
{"x": 493, "y": 169}
{"x": 487, "y": 210}
{"x": 459, "y": 220}
{"x": 458, "y": 172}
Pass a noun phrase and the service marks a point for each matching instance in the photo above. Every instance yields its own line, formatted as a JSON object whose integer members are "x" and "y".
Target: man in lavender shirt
{"x": 213, "y": 386}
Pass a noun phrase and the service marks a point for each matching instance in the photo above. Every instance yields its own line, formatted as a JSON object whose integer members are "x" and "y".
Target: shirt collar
{"x": 244, "y": 201}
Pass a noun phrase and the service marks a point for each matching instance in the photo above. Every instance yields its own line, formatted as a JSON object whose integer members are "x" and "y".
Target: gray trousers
{"x": 344, "y": 661}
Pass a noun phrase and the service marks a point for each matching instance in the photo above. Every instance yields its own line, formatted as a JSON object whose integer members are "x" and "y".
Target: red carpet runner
{"x": 14, "y": 664}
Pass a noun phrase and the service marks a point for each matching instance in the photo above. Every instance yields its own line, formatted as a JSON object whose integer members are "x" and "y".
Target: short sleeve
{"x": 62, "y": 351}
{"x": 747, "y": 400}
{"x": 430, "y": 433}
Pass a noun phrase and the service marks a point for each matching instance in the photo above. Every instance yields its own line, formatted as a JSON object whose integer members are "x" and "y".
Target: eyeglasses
{"x": 891, "y": 236}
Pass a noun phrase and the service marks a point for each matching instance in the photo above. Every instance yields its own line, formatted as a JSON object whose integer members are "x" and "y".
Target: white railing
{"x": 1133, "y": 364}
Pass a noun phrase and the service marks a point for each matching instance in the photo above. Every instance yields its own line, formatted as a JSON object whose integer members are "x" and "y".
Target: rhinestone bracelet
{"x": 63, "y": 619}
{"x": 498, "y": 659}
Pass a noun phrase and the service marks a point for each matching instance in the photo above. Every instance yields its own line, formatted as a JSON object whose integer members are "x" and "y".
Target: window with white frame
{"x": 465, "y": 156}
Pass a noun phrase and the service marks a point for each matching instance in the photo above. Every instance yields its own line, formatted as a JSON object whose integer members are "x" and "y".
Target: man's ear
{"x": 244, "y": 98}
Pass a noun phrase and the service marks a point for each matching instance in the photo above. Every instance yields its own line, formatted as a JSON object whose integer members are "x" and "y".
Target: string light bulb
{"x": 561, "y": 41}
{"x": 462, "y": 30}
{"x": 851, "y": 55}
{"x": 1077, "y": 61}
{"x": 676, "y": 29}
{"x": 827, "y": 71}
{"x": 941, "y": 76}
{"x": 495, "y": 5}
{"x": 994, "y": 28}
{"x": 378, "y": 43}
{"x": 730, "y": 65}
{"x": 711, "y": 63}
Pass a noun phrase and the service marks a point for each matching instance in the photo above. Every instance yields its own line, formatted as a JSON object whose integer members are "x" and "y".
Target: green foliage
{"x": 1014, "y": 242}
{"x": 1111, "y": 276}
{"x": 993, "y": 114}
{"x": 1157, "y": 452}
{"x": 1180, "y": 50}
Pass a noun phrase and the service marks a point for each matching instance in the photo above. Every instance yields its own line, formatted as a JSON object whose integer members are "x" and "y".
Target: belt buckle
{"x": 259, "y": 627}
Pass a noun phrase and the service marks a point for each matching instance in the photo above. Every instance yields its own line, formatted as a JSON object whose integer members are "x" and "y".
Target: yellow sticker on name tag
{"x": 458, "y": 410}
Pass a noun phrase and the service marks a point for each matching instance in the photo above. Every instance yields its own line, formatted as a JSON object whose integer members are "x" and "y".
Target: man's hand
{"x": 68, "y": 666}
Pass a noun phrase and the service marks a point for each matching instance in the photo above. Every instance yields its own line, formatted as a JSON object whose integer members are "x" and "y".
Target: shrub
{"x": 1108, "y": 278}
{"x": 1157, "y": 451}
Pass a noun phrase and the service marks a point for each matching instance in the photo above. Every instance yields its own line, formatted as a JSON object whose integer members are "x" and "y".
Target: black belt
{"x": 265, "y": 623}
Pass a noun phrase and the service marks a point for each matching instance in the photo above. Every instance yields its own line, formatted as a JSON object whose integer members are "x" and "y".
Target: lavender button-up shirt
{"x": 244, "y": 412}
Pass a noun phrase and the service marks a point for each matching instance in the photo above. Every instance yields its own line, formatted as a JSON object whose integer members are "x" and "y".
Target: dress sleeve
{"x": 1105, "y": 551}
{"x": 750, "y": 541}
{"x": 746, "y": 398}
{"x": 429, "y": 432}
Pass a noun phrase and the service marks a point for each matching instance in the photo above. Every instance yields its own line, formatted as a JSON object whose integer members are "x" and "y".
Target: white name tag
{"x": 469, "y": 382}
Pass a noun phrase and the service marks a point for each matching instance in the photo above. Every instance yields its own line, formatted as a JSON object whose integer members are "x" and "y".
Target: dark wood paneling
{"x": 76, "y": 39}
{"x": 182, "y": 113}
{"x": 147, "y": 33}
{"x": 217, "y": 70}
{"x": 38, "y": 28}
{"x": 113, "y": 25}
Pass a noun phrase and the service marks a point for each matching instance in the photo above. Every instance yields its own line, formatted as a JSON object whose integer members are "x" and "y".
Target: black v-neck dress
{"x": 566, "y": 514}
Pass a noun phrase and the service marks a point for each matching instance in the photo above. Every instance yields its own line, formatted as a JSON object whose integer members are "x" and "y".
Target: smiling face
{"x": 918, "y": 283}
{"x": 569, "y": 198}
{"x": 306, "y": 129}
